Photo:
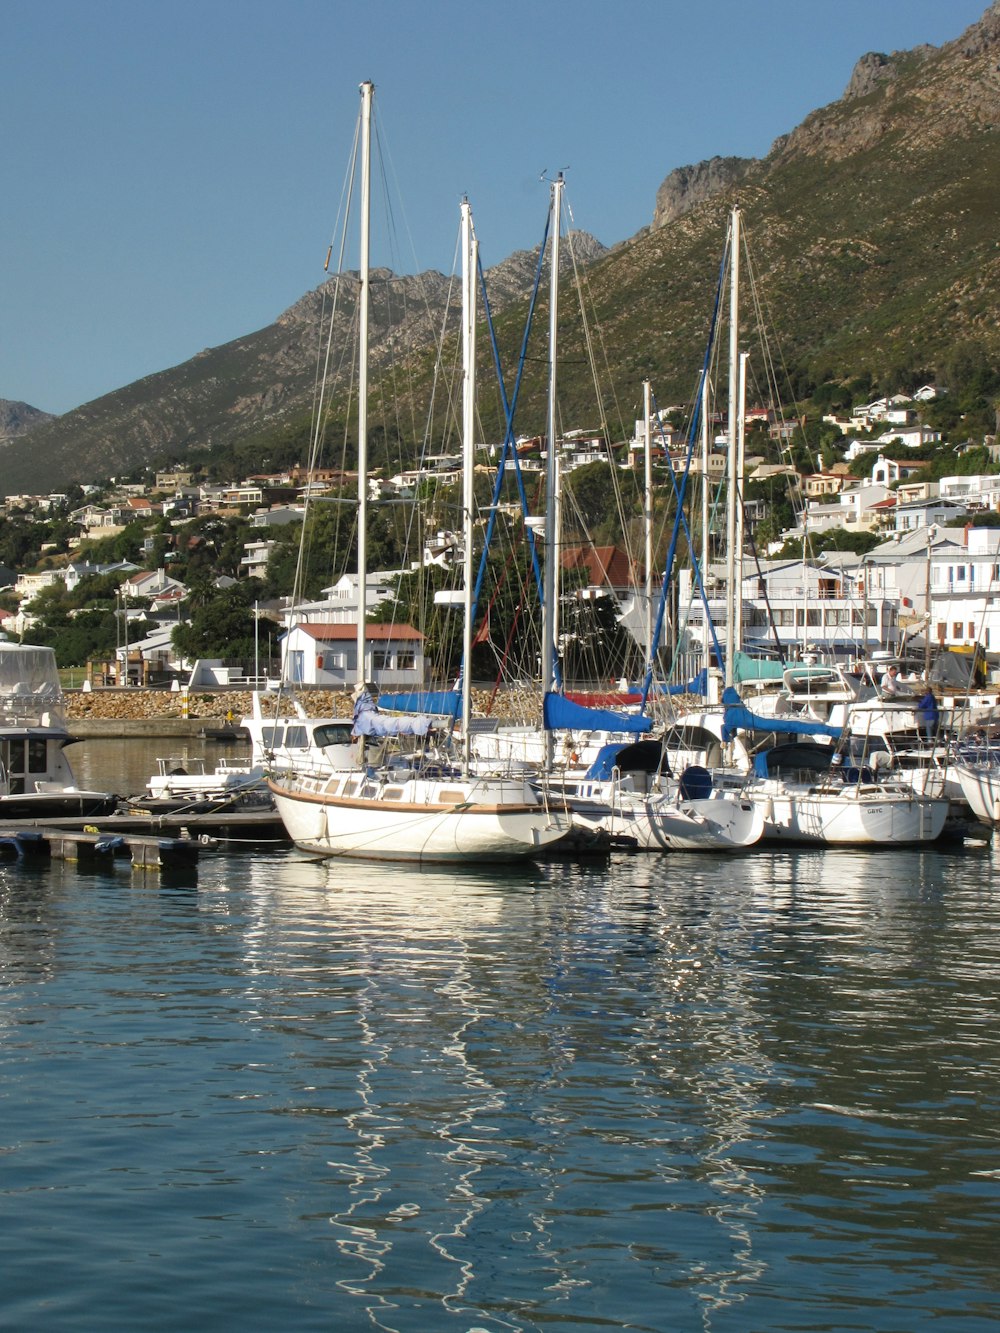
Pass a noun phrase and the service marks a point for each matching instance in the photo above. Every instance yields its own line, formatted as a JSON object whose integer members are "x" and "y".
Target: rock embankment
{"x": 211, "y": 708}
{"x": 161, "y": 712}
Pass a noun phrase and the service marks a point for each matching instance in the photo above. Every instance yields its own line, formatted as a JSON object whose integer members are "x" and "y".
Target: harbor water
{"x": 667, "y": 1092}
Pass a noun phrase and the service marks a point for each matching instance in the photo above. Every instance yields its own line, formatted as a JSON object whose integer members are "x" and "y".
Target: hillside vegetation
{"x": 872, "y": 228}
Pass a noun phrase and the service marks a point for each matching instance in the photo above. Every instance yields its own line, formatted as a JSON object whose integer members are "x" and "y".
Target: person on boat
{"x": 890, "y": 684}
{"x": 928, "y": 714}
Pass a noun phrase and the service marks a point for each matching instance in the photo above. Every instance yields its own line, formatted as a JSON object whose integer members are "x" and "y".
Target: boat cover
{"x": 446, "y": 703}
{"x": 559, "y": 713}
{"x": 372, "y": 723}
{"x": 738, "y": 717}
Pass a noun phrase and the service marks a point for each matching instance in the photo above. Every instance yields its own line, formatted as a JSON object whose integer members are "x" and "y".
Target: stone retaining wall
{"x": 210, "y": 709}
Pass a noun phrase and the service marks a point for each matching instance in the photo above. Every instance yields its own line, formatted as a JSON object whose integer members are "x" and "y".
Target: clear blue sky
{"x": 172, "y": 169}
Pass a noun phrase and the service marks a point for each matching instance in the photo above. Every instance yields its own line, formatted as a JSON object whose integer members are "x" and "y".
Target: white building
{"x": 965, "y": 591}
{"x": 326, "y": 654}
{"x": 836, "y": 605}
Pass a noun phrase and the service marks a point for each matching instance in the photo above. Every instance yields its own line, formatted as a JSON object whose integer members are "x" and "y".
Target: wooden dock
{"x": 38, "y": 844}
{"x": 228, "y": 828}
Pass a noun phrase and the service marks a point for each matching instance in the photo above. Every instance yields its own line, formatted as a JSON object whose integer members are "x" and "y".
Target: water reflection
{"x": 672, "y": 1092}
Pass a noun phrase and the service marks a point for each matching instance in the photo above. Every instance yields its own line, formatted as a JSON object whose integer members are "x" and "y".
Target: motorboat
{"x": 36, "y": 780}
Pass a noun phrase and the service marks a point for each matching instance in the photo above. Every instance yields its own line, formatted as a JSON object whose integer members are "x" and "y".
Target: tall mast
{"x": 469, "y": 267}
{"x": 551, "y": 571}
{"x": 648, "y": 515}
{"x": 706, "y": 629}
{"x": 732, "y": 477}
{"x": 738, "y": 547}
{"x": 367, "y": 93}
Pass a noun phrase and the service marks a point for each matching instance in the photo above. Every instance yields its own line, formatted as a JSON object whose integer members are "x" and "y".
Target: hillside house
{"x": 912, "y": 515}
{"x": 253, "y": 562}
{"x": 975, "y": 492}
{"x": 888, "y": 470}
{"x": 910, "y": 437}
{"x": 152, "y": 585}
{"x": 339, "y": 604}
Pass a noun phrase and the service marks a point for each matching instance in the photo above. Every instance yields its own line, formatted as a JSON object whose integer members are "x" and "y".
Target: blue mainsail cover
{"x": 738, "y": 717}
{"x": 560, "y": 713}
{"x": 699, "y": 685}
{"x": 444, "y": 702}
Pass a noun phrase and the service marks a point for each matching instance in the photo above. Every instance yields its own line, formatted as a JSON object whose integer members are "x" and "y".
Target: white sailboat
{"x": 416, "y": 804}
{"x": 809, "y": 792}
{"x": 648, "y": 810}
{"x": 630, "y": 795}
{"x": 802, "y": 790}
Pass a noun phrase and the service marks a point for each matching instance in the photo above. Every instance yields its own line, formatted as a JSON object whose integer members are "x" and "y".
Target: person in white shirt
{"x": 889, "y": 683}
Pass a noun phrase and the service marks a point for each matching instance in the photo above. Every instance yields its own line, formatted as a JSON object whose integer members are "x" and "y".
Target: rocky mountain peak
{"x": 19, "y": 418}
{"x": 686, "y": 187}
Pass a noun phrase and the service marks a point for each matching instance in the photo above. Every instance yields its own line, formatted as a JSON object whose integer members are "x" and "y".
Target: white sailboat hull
{"x": 659, "y": 822}
{"x": 418, "y": 819}
{"x": 981, "y": 790}
{"x": 856, "y": 816}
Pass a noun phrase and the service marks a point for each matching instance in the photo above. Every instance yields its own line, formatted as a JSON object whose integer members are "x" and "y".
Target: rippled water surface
{"x": 672, "y": 1092}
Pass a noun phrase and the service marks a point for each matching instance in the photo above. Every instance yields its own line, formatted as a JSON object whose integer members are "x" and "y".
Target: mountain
{"x": 18, "y": 419}
{"x": 874, "y": 248}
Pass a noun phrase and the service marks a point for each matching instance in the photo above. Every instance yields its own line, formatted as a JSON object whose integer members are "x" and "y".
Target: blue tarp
{"x": 739, "y": 718}
{"x": 560, "y": 713}
{"x": 444, "y": 702}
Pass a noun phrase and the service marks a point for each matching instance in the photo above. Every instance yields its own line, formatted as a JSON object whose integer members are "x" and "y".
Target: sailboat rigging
{"x": 414, "y": 803}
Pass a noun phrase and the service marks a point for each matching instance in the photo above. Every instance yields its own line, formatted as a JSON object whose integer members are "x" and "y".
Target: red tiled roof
{"x": 606, "y": 566}
{"x": 348, "y": 632}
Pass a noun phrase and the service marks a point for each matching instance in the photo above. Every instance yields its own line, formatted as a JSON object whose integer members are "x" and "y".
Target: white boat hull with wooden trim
{"x": 418, "y": 819}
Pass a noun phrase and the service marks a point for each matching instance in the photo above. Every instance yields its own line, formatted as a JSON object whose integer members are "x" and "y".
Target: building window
{"x": 972, "y": 630}
{"x": 942, "y": 631}
{"x": 406, "y": 660}
{"x": 957, "y": 630}
{"x": 381, "y": 659}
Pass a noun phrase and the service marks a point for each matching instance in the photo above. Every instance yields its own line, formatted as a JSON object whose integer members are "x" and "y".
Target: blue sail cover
{"x": 444, "y": 702}
{"x": 699, "y": 685}
{"x": 560, "y": 713}
{"x": 737, "y": 717}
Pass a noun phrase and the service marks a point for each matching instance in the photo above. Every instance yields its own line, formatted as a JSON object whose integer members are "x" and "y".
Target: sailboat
{"x": 643, "y": 806}
{"x": 806, "y": 792}
{"x": 413, "y": 802}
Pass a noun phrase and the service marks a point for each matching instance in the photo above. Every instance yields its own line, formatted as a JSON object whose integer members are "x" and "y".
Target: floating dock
{"x": 37, "y": 844}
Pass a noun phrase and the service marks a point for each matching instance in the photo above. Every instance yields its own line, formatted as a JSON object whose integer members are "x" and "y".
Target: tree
{"x": 223, "y": 626}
